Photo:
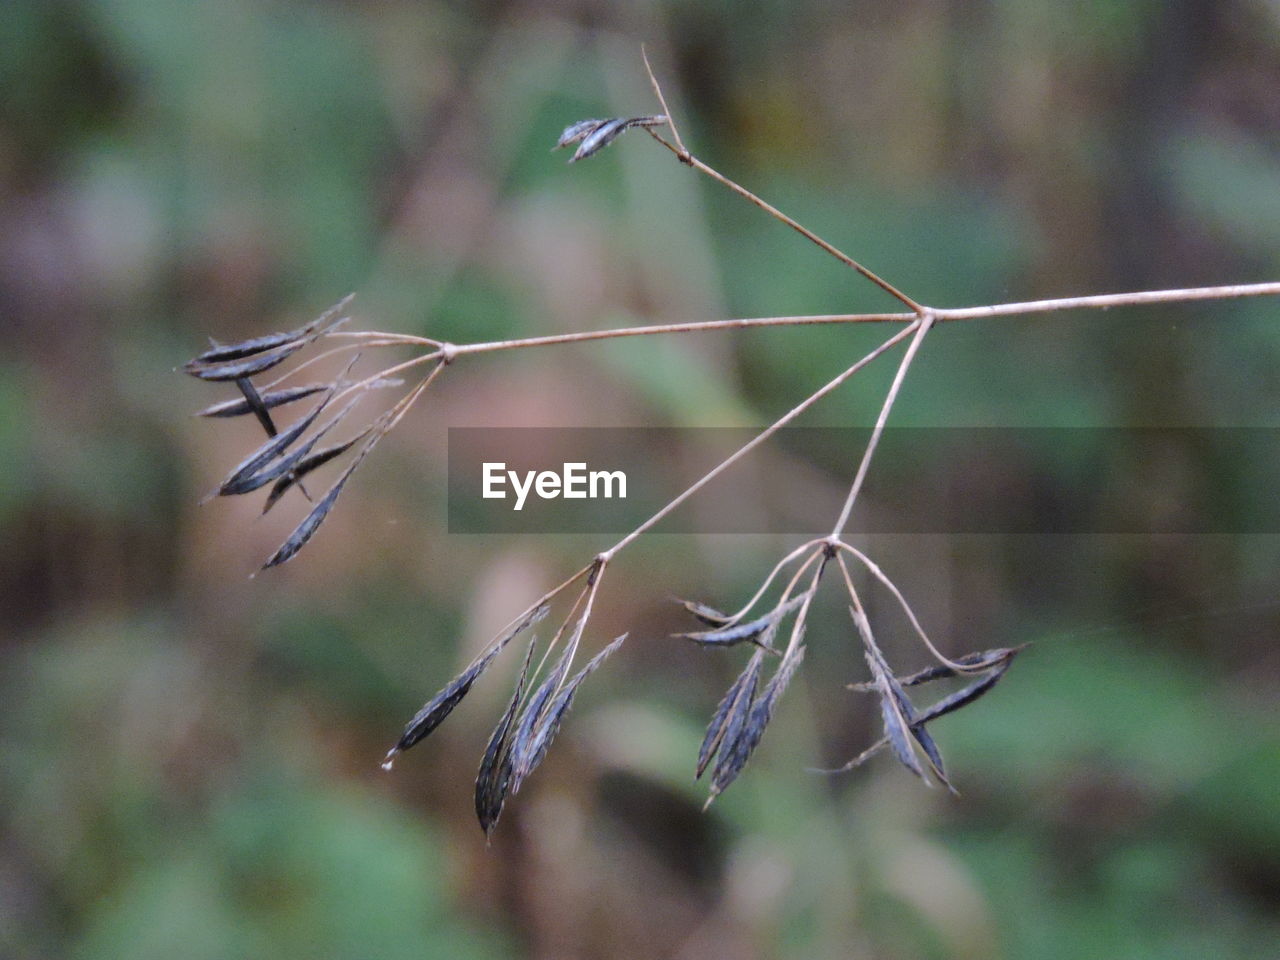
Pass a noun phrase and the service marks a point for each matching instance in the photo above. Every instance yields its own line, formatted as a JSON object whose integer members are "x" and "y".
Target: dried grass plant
{"x": 545, "y": 688}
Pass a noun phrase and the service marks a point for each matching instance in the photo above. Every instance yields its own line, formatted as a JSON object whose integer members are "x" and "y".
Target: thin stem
{"x": 393, "y": 370}
{"x": 768, "y": 580}
{"x": 686, "y": 157}
{"x": 568, "y": 618}
{"x": 757, "y": 440}
{"x": 346, "y": 348}
{"x": 797, "y": 625}
{"x": 906, "y": 608}
{"x": 702, "y": 326}
{"x": 940, "y": 315}
{"x": 1106, "y": 301}
{"x": 402, "y": 405}
{"x": 384, "y": 339}
{"x": 657, "y": 90}
{"x": 795, "y": 578}
{"x": 922, "y": 328}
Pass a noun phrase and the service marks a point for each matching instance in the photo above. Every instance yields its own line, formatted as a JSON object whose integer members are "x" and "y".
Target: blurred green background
{"x": 188, "y": 758}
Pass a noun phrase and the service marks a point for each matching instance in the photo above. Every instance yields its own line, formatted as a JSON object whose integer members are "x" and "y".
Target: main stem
{"x": 1103, "y": 301}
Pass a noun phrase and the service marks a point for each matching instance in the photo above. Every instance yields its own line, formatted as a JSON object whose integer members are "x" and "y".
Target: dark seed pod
{"x": 271, "y": 399}
{"x": 575, "y": 132}
{"x": 752, "y": 632}
{"x": 967, "y": 695}
{"x": 269, "y": 451}
{"x": 285, "y": 465}
{"x": 220, "y": 353}
{"x": 599, "y": 138}
{"x": 441, "y": 705}
{"x": 526, "y": 727}
{"x": 434, "y": 712}
{"x": 535, "y": 747}
{"x": 311, "y": 523}
{"x": 731, "y": 712}
{"x": 254, "y": 400}
{"x": 896, "y": 729}
{"x": 592, "y": 136}
{"x": 248, "y": 367}
{"x": 494, "y": 775}
{"x": 708, "y": 615}
{"x": 735, "y": 754}
{"x": 901, "y": 720}
{"x": 306, "y": 465}
{"x": 982, "y": 660}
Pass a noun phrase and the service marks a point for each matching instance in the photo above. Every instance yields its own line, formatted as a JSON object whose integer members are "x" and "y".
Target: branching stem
{"x": 921, "y": 329}
{"x": 758, "y": 439}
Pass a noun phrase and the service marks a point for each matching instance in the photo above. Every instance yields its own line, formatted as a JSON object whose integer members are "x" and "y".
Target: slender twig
{"x": 702, "y": 326}
{"x": 777, "y": 214}
{"x": 880, "y": 575}
{"x": 683, "y": 152}
{"x": 389, "y": 338}
{"x": 383, "y": 340}
{"x": 778, "y": 567}
{"x": 940, "y": 315}
{"x": 439, "y": 357}
{"x": 921, "y": 329}
{"x": 1106, "y": 301}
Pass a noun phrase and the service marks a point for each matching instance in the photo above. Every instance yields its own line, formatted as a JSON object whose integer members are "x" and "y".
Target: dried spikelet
{"x": 304, "y": 531}
{"x": 495, "y": 766}
{"x": 708, "y": 615}
{"x": 575, "y": 132}
{"x": 434, "y": 712}
{"x": 259, "y": 408}
{"x": 522, "y": 739}
{"x": 967, "y": 695}
{"x": 982, "y": 660}
{"x": 735, "y": 754}
{"x": 271, "y": 399}
{"x": 592, "y": 136}
{"x": 269, "y": 451}
{"x": 999, "y": 661}
{"x": 526, "y": 759}
{"x": 731, "y": 712}
{"x": 248, "y": 357}
{"x": 306, "y": 465}
{"x": 755, "y": 632}
{"x": 286, "y": 464}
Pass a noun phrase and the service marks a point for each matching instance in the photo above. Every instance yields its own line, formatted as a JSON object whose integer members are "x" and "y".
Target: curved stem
{"x": 906, "y": 607}
{"x": 768, "y": 580}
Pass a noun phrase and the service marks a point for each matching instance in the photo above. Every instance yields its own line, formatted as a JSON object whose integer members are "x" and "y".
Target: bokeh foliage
{"x": 189, "y": 757}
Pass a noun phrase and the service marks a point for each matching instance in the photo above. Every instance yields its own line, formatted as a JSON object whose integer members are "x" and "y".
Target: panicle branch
{"x": 544, "y": 692}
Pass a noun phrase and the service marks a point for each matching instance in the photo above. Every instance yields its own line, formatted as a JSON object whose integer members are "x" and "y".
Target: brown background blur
{"x": 188, "y": 758}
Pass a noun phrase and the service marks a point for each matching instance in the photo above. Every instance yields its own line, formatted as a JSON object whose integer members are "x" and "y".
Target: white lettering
{"x": 521, "y": 491}
{"x": 574, "y": 482}
{"x": 493, "y": 479}
{"x": 607, "y": 479}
